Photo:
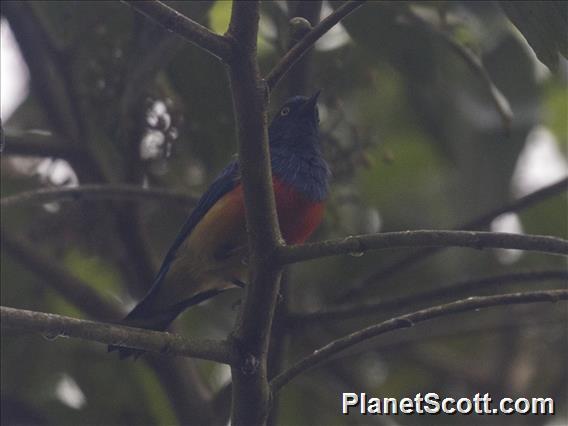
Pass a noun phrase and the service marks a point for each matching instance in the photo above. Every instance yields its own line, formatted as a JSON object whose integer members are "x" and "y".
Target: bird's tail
{"x": 145, "y": 315}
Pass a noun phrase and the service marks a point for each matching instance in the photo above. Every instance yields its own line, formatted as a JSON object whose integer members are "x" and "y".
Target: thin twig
{"x": 342, "y": 312}
{"x": 307, "y": 42}
{"x": 152, "y": 341}
{"x": 475, "y": 223}
{"x": 474, "y": 62}
{"x": 99, "y": 192}
{"x": 456, "y": 330}
{"x": 185, "y": 27}
{"x": 422, "y": 238}
{"x": 326, "y": 352}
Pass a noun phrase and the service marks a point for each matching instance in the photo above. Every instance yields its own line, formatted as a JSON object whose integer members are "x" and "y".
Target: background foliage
{"x": 414, "y": 139}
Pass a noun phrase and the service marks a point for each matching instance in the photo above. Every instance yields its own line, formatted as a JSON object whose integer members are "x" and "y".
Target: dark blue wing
{"x": 225, "y": 182}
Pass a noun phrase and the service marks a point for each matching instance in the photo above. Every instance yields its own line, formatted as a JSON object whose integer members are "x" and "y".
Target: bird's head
{"x": 297, "y": 122}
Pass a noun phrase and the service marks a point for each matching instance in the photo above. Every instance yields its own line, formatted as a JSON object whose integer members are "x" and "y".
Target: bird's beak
{"x": 311, "y": 103}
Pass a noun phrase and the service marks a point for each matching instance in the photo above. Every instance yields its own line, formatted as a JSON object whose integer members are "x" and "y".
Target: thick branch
{"x": 98, "y": 192}
{"x": 152, "y": 341}
{"x": 476, "y": 223}
{"x": 252, "y": 332}
{"x": 423, "y": 238}
{"x": 456, "y": 289}
{"x": 190, "y": 30}
{"x": 326, "y": 352}
{"x": 90, "y": 302}
{"x": 262, "y": 225}
{"x": 306, "y": 43}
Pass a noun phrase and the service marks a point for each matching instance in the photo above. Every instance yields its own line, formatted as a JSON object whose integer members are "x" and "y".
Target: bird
{"x": 209, "y": 254}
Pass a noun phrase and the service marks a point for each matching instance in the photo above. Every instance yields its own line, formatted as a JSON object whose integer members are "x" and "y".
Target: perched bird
{"x": 209, "y": 254}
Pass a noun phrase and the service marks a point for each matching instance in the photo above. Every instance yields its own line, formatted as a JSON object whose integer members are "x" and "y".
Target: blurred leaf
{"x": 157, "y": 402}
{"x": 545, "y": 26}
{"x": 220, "y": 15}
{"x": 548, "y": 218}
{"x": 93, "y": 270}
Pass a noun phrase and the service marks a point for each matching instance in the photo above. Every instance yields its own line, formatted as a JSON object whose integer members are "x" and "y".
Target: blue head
{"x": 295, "y": 147}
{"x": 296, "y": 124}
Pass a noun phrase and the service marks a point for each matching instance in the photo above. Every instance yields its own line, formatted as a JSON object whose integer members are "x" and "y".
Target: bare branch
{"x": 450, "y": 330}
{"x": 423, "y": 238}
{"x": 342, "y": 312}
{"x": 262, "y": 224}
{"x": 185, "y": 27}
{"x": 306, "y": 43}
{"x": 251, "y": 335}
{"x": 476, "y": 223}
{"x": 110, "y": 334}
{"x": 90, "y": 302}
{"x": 522, "y": 203}
{"x": 98, "y": 192}
{"x": 326, "y": 352}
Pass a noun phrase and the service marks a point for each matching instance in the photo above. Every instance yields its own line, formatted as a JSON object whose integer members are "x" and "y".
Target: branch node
{"x": 250, "y": 365}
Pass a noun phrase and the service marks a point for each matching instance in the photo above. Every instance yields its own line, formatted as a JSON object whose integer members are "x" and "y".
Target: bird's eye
{"x": 285, "y": 111}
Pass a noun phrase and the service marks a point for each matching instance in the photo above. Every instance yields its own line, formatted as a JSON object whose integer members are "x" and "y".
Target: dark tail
{"x": 144, "y": 315}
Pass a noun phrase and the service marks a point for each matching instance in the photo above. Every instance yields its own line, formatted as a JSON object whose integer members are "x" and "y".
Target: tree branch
{"x": 91, "y": 303}
{"x": 474, "y": 63}
{"x": 299, "y": 81}
{"x": 522, "y": 203}
{"x": 422, "y": 238}
{"x": 478, "y": 222}
{"x": 110, "y": 334}
{"x": 346, "y": 311}
{"x": 185, "y": 27}
{"x": 326, "y": 352}
{"x": 307, "y": 42}
{"x": 452, "y": 330}
{"x": 251, "y": 335}
{"x": 35, "y": 144}
{"x": 99, "y": 192}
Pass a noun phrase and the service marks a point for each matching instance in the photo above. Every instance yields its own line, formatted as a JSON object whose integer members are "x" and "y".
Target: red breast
{"x": 298, "y": 216}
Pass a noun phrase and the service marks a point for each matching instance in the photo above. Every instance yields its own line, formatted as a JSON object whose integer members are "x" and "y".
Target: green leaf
{"x": 219, "y": 16}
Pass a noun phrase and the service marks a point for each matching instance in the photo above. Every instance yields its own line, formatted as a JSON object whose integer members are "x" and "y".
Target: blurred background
{"x": 432, "y": 114}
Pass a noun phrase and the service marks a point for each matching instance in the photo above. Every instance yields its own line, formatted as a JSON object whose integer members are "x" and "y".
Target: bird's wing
{"x": 225, "y": 182}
